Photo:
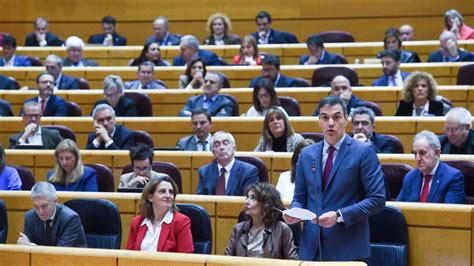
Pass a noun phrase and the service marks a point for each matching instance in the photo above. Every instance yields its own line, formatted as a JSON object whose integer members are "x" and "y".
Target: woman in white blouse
{"x": 264, "y": 98}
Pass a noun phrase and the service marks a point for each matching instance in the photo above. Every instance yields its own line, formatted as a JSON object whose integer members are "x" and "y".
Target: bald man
{"x": 407, "y": 33}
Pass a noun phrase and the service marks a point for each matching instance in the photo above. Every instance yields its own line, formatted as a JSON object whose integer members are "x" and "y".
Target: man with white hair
{"x": 432, "y": 180}
{"x": 162, "y": 36}
{"x": 449, "y": 51}
{"x": 74, "y": 49}
{"x": 113, "y": 96}
{"x": 50, "y": 223}
{"x": 458, "y": 137}
{"x": 54, "y": 65}
{"x": 41, "y": 36}
{"x": 189, "y": 47}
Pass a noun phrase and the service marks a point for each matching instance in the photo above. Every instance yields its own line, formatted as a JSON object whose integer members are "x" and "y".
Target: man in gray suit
{"x": 74, "y": 49}
{"x": 146, "y": 78}
{"x": 34, "y": 134}
{"x": 201, "y": 139}
{"x": 50, "y": 223}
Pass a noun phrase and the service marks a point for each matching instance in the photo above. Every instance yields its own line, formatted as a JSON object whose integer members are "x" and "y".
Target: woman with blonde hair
{"x": 219, "y": 26}
{"x": 69, "y": 174}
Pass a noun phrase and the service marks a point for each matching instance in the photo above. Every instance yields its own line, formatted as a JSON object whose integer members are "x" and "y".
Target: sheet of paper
{"x": 300, "y": 213}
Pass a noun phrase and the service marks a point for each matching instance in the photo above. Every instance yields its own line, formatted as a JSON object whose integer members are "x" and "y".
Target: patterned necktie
{"x": 426, "y": 189}
{"x": 327, "y": 167}
{"x": 220, "y": 188}
{"x": 43, "y": 105}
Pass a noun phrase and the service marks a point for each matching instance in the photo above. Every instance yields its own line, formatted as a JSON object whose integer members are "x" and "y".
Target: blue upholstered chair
{"x": 200, "y": 227}
{"x": 3, "y": 223}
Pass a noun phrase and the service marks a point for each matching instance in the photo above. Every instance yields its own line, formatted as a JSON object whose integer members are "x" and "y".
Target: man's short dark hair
{"x": 109, "y": 20}
{"x": 146, "y": 63}
{"x": 272, "y": 60}
{"x": 363, "y": 111}
{"x": 393, "y": 53}
{"x": 315, "y": 40}
{"x": 8, "y": 40}
{"x": 201, "y": 111}
{"x": 331, "y": 101}
{"x": 264, "y": 14}
{"x": 141, "y": 152}
{"x": 42, "y": 74}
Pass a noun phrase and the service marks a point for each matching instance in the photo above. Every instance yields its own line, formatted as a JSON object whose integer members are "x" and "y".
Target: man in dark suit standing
{"x": 341, "y": 181}
{"x": 50, "y": 223}
{"x": 107, "y": 135}
{"x": 449, "y": 51}
{"x": 41, "y": 36}
{"x": 459, "y": 136}
{"x": 267, "y": 35}
{"x": 10, "y": 58}
{"x": 74, "y": 49}
{"x": 109, "y": 37}
{"x": 390, "y": 60}
{"x": 201, "y": 139}
{"x": 271, "y": 71}
{"x": 189, "y": 46}
{"x": 225, "y": 175}
{"x": 432, "y": 180}
{"x": 54, "y": 65}
{"x": 51, "y": 105}
{"x": 318, "y": 55}
{"x": 162, "y": 36}
{"x": 34, "y": 133}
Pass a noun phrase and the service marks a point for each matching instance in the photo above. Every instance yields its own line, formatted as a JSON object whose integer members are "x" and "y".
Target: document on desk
{"x": 302, "y": 214}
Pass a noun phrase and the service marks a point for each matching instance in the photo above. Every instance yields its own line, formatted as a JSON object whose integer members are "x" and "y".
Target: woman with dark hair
{"x": 454, "y": 22}
{"x": 262, "y": 234}
{"x": 219, "y": 26}
{"x": 278, "y": 134}
{"x": 248, "y": 54}
{"x": 392, "y": 40}
{"x": 150, "y": 52}
{"x": 194, "y": 74}
{"x": 9, "y": 178}
{"x": 286, "y": 181}
{"x": 69, "y": 174}
{"x": 160, "y": 227}
{"x": 264, "y": 98}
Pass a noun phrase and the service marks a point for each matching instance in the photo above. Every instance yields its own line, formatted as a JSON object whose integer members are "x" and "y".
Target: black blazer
{"x": 117, "y": 39}
{"x": 125, "y": 107}
{"x": 56, "y": 106}
{"x": 6, "y": 83}
{"x": 406, "y": 108}
{"x": 228, "y": 39}
{"x": 51, "y": 39}
{"x": 123, "y": 140}
{"x": 278, "y": 37}
{"x": 68, "y": 83}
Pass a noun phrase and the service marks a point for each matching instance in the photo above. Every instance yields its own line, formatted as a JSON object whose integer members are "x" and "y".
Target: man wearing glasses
{"x": 54, "y": 66}
{"x": 50, "y": 104}
{"x": 34, "y": 134}
{"x": 113, "y": 96}
{"x": 141, "y": 157}
{"x": 459, "y": 138}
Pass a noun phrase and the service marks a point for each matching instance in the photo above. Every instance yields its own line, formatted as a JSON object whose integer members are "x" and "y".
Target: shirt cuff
{"x": 96, "y": 143}
{"x": 108, "y": 143}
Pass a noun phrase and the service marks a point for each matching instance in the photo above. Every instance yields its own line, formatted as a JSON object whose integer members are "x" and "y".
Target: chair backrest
{"x": 301, "y": 82}
{"x": 200, "y": 227}
{"x": 101, "y": 221}
{"x": 225, "y": 80}
{"x": 388, "y": 238}
{"x": 375, "y": 107}
{"x": 143, "y": 137}
{"x": 398, "y": 145}
{"x": 83, "y": 84}
{"x": 394, "y": 173}
{"x": 27, "y": 178}
{"x": 162, "y": 167}
{"x": 465, "y": 76}
{"x": 105, "y": 178}
{"x": 3, "y": 223}
{"x": 16, "y": 85}
{"x": 323, "y": 76}
{"x": 336, "y": 36}
{"x": 236, "y": 110}
{"x": 467, "y": 168}
{"x": 143, "y": 102}
{"x": 35, "y": 61}
{"x": 316, "y": 136}
{"x": 257, "y": 162}
{"x": 291, "y": 105}
{"x": 73, "y": 109}
{"x": 64, "y": 131}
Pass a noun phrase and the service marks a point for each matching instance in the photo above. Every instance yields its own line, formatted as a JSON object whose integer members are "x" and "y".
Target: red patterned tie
{"x": 327, "y": 167}
{"x": 426, "y": 189}
{"x": 220, "y": 188}
{"x": 42, "y": 105}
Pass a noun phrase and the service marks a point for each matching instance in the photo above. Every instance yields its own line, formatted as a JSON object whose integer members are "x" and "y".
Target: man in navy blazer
{"x": 318, "y": 55}
{"x": 189, "y": 46}
{"x": 107, "y": 135}
{"x": 41, "y": 36}
{"x": 432, "y": 180}
{"x": 217, "y": 104}
{"x": 267, "y": 35}
{"x": 225, "y": 175}
{"x": 51, "y": 105}
{"x": 271, "y": 71}
{"x": 54, "y": 65}
{"x": 6, "y": 83}
{"x": 449, "y": 51}
{"x": 162, "y": 36}
{"x": 109, "y": 36}
{"x": 9, "y": 58}
{"x": 50, "y": 223}
{"x": 201, "y": 121}
{"x": 341, "y": 181}
{"x": 390, "y": 59}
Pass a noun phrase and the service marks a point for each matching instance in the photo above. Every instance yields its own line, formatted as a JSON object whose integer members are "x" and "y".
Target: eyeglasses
{"x": 452, "y": 129}
{"x": 263, "y": 96}
{"x": 363, "y": 123}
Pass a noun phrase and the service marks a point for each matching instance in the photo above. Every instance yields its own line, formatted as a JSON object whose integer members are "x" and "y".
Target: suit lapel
{"x": 417, "y": 182}
{"x": 45, "y": 138}
{"x": 49, "y": 106}
{"x": 435, "y": 183}
{"x": 318, "y": 175}
{"x": 343, "y": 151}
{"x": 231, "y": 182}
{"x": 165, "y": 231}
{"x": 140, "y": 236}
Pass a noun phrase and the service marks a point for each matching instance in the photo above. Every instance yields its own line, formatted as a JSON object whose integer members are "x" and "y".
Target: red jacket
{"x": 174, "y": 237}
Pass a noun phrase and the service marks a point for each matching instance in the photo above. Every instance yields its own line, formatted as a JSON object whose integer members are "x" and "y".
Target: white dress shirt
{"x": 152, "y": 235}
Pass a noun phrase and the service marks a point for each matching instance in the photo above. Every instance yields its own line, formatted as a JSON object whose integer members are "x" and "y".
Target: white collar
{"x": 167, "y": 220}
{"x": 228, "y": 167}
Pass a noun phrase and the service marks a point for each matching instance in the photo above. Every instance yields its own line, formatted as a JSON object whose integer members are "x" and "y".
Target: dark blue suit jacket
{"x": 409, "y": 57}
{"x": 56, "y": 106}
{"x": 354, "y": 102}
{"x": 172, "y": 39}
{"x": 406, "y": 108}
{"x": 278, "y": 37}
{"x": 282, "y": 83}
{"x": 88, "y": 182}
{"x": 220, "y": 107}
{"x": 447, "y": 186}
{"x": 241, "y": 176}
{"x": 68, "y": 83}
{"x": 355, "y": 187}
{"x": 383, "y": 80}
{"x": 448, "y": 148}
{"x": 125, "y": 107}
{"x": 209, "y": 58}
{"x": 19, "y": 61}
{"x": 328, "y": 59}
{"x": 6, "y": 83}
{"x": 382, "y": 144}
{"x": 123, "y": 140}
{"x": 437, "y": 56}
{"x": 117, "y": 39}
{"x": 51, "y": 39}
{"x": 187, "y": 143}
{"x": 66, "y": 230}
